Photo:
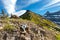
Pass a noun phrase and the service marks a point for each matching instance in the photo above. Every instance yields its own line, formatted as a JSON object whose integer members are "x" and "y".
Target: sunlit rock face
{"x": 55, "y": 16}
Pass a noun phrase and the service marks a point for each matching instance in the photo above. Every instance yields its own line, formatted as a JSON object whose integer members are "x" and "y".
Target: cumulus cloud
{"x": 51, "y": 4}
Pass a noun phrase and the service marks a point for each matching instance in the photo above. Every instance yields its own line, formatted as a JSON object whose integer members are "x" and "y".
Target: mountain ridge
{"x": 54, "y": 17}
{"x": 41, "y": 21}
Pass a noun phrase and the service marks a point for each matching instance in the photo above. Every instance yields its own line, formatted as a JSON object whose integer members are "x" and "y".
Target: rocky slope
{"x": 18, "y": 29}
{"x": 29, "y": 26}
{"x": 42, "y": 22}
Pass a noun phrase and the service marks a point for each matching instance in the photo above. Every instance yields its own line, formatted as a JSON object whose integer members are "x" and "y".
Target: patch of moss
{"x": 58, "y": 37}
{"x": 9, "y": 27}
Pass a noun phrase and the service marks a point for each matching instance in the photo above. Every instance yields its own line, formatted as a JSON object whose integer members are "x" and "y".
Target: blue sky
{"x": 37, "y": 6}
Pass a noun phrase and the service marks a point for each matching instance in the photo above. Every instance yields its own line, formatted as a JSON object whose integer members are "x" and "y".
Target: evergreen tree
{"x": 4, "y": 15}
{"x": 3, "y": 12}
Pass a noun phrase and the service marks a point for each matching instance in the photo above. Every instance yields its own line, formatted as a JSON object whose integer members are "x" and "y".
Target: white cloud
{"x": 33, "y": 1}
{"x": 9, "y": 5}
{"x": 29, "y": 2}
{"x": 51, "y": 4}
{"x": 19, "y": 13}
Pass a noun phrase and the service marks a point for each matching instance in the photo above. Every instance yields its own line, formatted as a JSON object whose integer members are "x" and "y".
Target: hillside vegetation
{"x": 29, "y": 26}
{"x": 41, "y": 21}
{"x": 13, "y": 28}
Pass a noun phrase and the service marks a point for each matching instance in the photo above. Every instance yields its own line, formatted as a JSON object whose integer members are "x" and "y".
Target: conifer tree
{"x": 3, "y": 12}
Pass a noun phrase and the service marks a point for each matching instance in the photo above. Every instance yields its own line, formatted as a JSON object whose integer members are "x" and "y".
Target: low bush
{"x": 9, "y": 28}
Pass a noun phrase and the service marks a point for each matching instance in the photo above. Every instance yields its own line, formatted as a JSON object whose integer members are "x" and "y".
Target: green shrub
{"x": 58, "y": 37}
{"x": 57, "y": 29}
{"x": 9, "y": 28}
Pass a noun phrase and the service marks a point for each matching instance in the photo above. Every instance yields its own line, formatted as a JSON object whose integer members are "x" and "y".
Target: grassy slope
{"x": 58, "y": 36}
{"x": 41, "y": 21}
{"x": 11, "y": 24}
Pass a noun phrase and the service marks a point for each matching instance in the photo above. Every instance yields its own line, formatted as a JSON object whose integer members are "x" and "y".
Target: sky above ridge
{"x": 37, "y": 6}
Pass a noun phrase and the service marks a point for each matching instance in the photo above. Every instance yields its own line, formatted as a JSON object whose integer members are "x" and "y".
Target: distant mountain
{"x": 55, "y": 16}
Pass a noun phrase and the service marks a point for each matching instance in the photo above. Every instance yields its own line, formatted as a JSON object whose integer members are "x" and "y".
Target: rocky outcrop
{"x": 26, "y": 30}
